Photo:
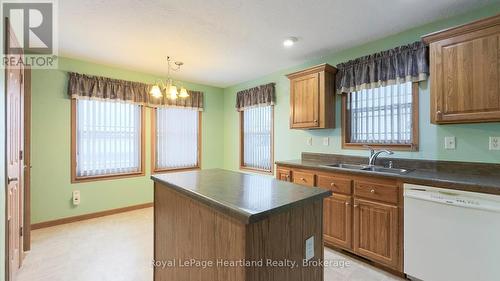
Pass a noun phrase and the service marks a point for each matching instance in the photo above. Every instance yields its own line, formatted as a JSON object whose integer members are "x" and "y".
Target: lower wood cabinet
{"x": 284, "y": 174}
{"x": 376, "y": 231}
{"x": 363, "y": 216}
{"x": 337, "y": 220}
{"x": 303, "y": 178}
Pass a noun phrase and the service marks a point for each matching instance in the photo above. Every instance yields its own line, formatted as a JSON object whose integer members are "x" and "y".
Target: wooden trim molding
{"x": 90, "y": 216}
{"x": 346, "y": 128}
{"x": 76, "y": 179}
{"x": 27, "y": 160}
{"x": 242, "y": 147}
{"x": 461, "y": 29}
{"x": 154, "y": 168}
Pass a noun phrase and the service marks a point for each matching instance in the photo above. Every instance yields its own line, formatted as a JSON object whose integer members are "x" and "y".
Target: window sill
{"x": 395, "y": 147}
{"x": 107, "y": 177}
{"x": 255, "y": 170}
{"x": 173, "y": 170}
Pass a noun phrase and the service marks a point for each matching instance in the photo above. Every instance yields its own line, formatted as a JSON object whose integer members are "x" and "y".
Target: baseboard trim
{"x": 89, "y": 216}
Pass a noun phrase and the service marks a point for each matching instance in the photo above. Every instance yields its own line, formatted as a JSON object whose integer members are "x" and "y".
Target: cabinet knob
{"x": 355, "y": 205}
{"x": 372, "y": 191}
{"x": 302, "y": 179}
{"x": 332, "y": 184}
{"x": 315, "y": 121}
{"x": 347, "y": 203}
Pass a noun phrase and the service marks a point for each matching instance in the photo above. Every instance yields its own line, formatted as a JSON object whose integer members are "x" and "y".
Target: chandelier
{"x": 168, "y": 86}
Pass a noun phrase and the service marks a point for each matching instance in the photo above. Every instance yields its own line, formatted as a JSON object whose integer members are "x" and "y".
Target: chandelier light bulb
{"x": 156, "y": 91}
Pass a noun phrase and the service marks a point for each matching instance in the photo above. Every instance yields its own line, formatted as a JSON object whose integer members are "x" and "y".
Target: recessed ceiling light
{"x": 289, "y": 42}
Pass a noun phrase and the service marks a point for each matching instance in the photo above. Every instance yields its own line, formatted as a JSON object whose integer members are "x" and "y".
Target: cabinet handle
{"x": 372, "y": 191}
{"x": 347, "y": 203}
{"x": 355, "y": 205}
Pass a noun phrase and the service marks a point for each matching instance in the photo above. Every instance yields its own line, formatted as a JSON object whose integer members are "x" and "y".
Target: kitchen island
{"x": 224, "y": 225}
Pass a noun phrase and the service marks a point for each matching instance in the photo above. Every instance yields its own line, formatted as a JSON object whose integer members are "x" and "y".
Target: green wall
{"x": 472, "y": 140}
{"x": 51, "y": 189}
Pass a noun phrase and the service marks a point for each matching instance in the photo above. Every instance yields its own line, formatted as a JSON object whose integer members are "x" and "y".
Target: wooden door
{"x": 337, "y": 220}
{"x": 284, "y": 174}
{"x": 376, "y": 231}
{"x": 305, "y": 101}
{"x": 465, "y": 81}
{"x": 14, "y": 150}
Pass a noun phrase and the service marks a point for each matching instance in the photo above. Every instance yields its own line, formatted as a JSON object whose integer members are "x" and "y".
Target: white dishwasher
{"x": 451, "y": 235}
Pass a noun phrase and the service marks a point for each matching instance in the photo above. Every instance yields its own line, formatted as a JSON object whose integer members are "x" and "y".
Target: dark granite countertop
{"x": 248, "y": 198}
{"x": 474, "y": 177}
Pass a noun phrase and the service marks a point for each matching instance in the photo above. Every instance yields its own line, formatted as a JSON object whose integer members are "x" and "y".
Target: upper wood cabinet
{"x": 312, "y": 98}
{"x": 465, "y": 73}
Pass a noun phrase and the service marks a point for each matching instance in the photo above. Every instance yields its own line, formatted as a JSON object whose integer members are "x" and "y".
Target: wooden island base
{"x": 187, "y": 230}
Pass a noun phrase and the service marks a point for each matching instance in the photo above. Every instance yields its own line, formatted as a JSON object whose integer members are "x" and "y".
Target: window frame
{"x": 77, "y": 179}
{"x": 346, "y": 144}
{"x": 242, "y": 146}
{"x": 154, "y": 168}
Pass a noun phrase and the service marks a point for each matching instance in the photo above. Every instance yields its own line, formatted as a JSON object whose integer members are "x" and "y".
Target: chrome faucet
{"x": 374, "y": 154}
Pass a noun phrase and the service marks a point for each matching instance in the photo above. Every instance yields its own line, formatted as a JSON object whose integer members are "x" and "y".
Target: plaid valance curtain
{"x": 258, "y": 96}
{"x": 82, "y": 86}
{"x": 402, "y": 64}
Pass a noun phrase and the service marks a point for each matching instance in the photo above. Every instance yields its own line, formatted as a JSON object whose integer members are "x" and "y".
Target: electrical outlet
{"x": 76, "y": 197}
{"x": 494, "y": 143}
{"x": 310, "y": 141}
{"x": 310, "y": 248}
{"x": 326, "y": 141}
{"x": 449, "y": 143}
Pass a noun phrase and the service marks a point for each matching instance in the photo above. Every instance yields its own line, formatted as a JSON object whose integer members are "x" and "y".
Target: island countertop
{"x": 248, "y": 198}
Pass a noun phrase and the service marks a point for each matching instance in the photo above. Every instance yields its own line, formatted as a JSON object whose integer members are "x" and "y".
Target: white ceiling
{"x": 223, "y": 42}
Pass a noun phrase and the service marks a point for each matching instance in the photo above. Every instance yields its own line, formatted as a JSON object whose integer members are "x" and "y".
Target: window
{"x": 382, "y": 117}
{"x": 177, "y": 138}
{"x": 257, "y": 138}
{"x": 107, "y": 139}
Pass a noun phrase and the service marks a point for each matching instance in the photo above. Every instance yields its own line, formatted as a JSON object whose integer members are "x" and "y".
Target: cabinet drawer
{"x": 377, "y": 191}
{"x": 335, "y": 184}
{"x": 303, "y": 178}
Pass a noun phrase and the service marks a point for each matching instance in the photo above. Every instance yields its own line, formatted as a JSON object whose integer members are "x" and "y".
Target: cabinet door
{"x": 304, "y": 101}
{"x": 337, "y": 221}
{"x": 376, "y": 231}
{"x": 465, "y": 77}
{"x": 284, "y": 174}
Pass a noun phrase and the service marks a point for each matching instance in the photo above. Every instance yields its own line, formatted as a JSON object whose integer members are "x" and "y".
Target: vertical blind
{"x": 381, "y": 115}
{"x": 257, "y": 130}
{"x": 108, "y": 138}
{"x": 176, "y": 138}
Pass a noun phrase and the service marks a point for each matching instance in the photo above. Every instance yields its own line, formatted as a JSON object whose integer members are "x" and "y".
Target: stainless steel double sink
{"x": 378, "y": 169}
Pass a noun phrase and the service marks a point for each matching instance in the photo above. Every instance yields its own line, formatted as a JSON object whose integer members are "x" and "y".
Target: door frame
{"x": 27, "y": 160}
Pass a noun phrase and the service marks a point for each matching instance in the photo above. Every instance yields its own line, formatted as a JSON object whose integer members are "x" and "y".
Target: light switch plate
{"x": 494, "y": 143}
{"x": 310, "y": 141}
{"x": 310, "y": 248}
{"x": 450, "y": 143}
{"x": 326, "y": 141}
